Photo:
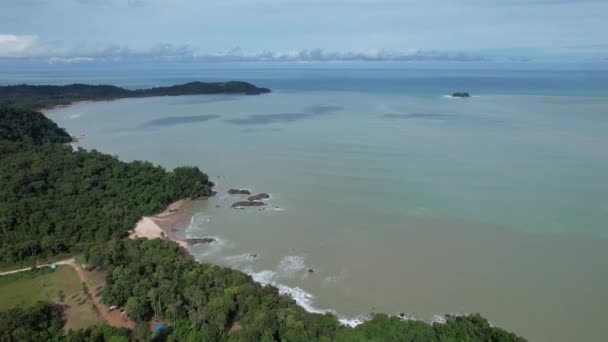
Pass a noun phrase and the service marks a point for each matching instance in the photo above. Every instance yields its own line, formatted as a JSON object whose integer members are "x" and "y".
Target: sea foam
{"x": 288, "y": 267}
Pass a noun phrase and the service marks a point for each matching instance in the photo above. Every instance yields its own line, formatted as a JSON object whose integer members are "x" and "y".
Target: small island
{"x": 36, "y": 97}
{"x": 461, "y": 94}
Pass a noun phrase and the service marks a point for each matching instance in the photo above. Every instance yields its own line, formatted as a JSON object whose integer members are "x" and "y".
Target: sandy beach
{"x": 160, "y": 226}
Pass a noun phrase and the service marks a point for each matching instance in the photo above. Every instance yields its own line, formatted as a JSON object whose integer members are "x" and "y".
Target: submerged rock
{"x": 241, "y": 204}
{"x": 239, "y": 192}
{"x": 258, "y": 197}
{"x": 211, "y": 194}
{"x": 197, "y": 241}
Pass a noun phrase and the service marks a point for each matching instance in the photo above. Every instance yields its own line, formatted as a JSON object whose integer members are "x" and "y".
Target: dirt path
{"x": 62, "y": 262}
{"x": 113, "y": 318}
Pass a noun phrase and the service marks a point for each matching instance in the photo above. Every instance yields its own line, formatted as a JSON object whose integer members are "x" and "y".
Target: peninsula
{"x": 47, "y": 96}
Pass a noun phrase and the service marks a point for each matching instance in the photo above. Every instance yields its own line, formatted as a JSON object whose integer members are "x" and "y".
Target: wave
{"x": 196, "y": 225}
{"x": 73, "y": 116}
{"x": 240, "y": 259}
{"x": 290, "y": 266}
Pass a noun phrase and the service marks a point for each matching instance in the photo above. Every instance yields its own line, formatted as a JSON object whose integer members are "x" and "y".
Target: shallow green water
{"x": 424, "y": 205}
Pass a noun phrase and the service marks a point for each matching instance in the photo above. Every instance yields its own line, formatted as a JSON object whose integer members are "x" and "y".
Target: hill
{"x": 48, "y": 96}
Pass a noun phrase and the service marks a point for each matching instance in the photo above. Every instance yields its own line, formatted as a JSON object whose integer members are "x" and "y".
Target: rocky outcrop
{"x": 196, "y": 241}
{"x": 258, "y": 197}
{"x": 211, "y": 194}
{"x": 242, "y": 204}
{"x": 239, "y": 192}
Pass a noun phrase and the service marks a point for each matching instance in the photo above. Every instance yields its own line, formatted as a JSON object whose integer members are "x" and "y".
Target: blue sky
{"x": 294, "y": 30}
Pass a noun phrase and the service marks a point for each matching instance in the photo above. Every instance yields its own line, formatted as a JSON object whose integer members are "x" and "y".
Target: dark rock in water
{"x": 173, "y": 230}
{"x": 461, "y": 94}
{"x": 310, "y": 270}
{"x": 217, "y": 206}
{"x": 258, "y": 197}
{"x": 247, "y": 204}
{"x": 201, "y": 240}
{"x": 239, "y": 192}
{"x": 402, "y": 315}
{"x": 211, "y": 194}
{"x": 253, "y": 255}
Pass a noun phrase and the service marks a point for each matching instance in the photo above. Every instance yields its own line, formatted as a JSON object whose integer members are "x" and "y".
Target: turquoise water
{"x": 399, "y": 198}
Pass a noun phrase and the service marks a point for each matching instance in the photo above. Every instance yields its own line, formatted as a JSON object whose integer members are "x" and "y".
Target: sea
{"x": 387, "y": 194}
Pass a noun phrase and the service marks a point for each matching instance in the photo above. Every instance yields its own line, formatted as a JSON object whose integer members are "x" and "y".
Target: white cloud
{"x": 16, "y": 46}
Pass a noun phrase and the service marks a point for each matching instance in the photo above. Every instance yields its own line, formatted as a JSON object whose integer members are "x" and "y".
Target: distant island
{"x": 461, "y": 94}
{"x": 47, "y": 96}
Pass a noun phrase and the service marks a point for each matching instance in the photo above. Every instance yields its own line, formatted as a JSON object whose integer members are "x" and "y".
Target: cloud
{"x": 30, "y": 46}
{"x": 237, "y": 54}
{"x": 16, "y": 46}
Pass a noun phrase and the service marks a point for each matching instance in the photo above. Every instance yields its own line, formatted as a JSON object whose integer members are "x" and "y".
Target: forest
{"x": 55, "y": 200}
{"x": 47, "y": 96}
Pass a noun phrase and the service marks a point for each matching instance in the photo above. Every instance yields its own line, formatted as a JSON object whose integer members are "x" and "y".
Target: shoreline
{"x": 162, "y": 225}
{"x": 46, "y": 110}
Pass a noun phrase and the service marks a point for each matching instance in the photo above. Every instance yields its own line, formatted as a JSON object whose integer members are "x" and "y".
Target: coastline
{"x": 162, "y": 225}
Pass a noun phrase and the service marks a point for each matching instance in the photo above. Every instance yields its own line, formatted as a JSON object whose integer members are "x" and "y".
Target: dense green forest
{"x": 56, "y": 200}
{"x": 47, "y": 96}
{"x": 27, "y": 126}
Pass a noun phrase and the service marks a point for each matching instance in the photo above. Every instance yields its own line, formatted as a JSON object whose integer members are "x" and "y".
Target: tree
{"x": 135, "y": 309}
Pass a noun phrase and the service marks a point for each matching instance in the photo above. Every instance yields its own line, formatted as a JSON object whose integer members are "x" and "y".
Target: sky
{"x": 80, "y": 31}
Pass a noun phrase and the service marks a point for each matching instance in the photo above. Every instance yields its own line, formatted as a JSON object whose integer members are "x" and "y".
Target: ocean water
{"x": 399, "y": 198}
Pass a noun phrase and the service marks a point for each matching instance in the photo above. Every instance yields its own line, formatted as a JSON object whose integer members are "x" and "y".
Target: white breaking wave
{"x": 73, "y": 116}
{"x": 290, "y": 266}
{"x": 263, "y": 277}
{"x": 438, "y": 319}
{"x": 196, "y": 225}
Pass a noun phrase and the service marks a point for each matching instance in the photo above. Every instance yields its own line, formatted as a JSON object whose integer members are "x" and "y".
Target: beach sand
{"x": 161, "y": 226}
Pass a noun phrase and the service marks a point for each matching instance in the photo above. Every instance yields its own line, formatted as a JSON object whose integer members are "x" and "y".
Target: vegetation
{"x": 47, "y": 96}
{"x": 27, "y": 126}
{"x": 60, "y": 286}
{"x": 203, "y": 302}
{"x": 55, "y": 200}
{"x": 42, "y": 322}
